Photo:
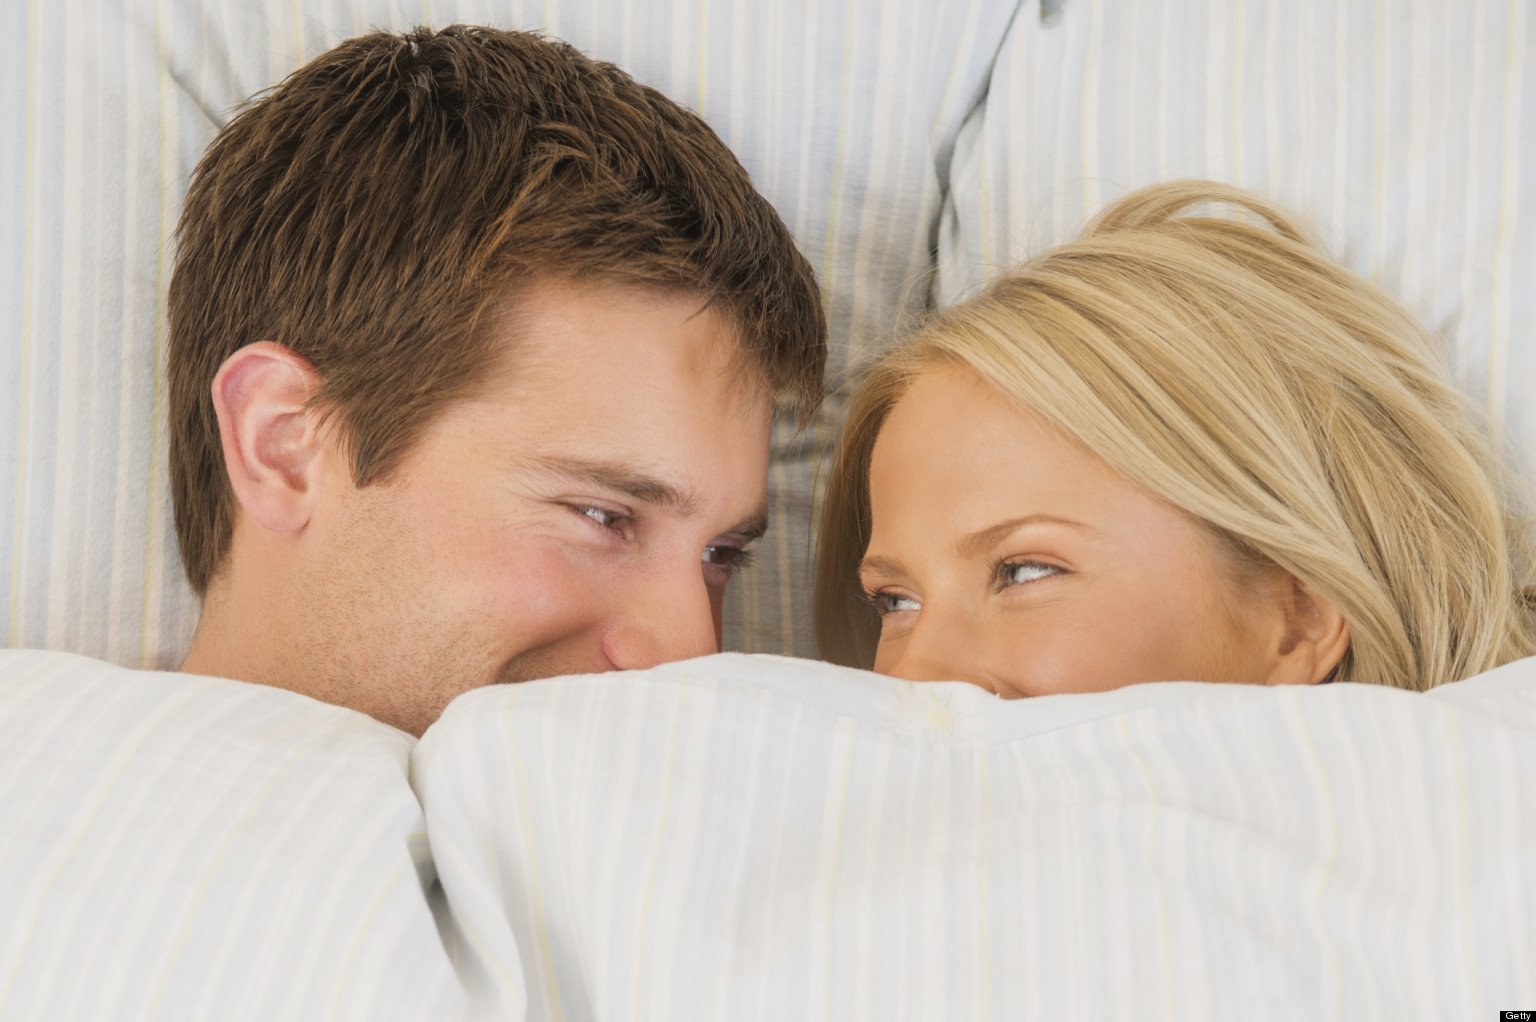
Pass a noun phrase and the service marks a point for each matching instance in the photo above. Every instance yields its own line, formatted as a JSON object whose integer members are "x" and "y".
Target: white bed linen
{"x": 180, "y": 847}
{"x": 762, "y": 838}
{"x": 1401, "y": 129}
{"x": 756, "y": 838}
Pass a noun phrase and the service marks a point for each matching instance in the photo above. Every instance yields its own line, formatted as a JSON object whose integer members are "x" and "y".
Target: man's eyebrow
{"x": 751, "y": 527}
{"x": 982, "y": 540}
{"x": 646, "y": 489}
{"x": 612, "y": 476}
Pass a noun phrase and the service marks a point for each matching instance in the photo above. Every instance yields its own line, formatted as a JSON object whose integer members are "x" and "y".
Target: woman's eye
{"x": 1012, "y": 573}
{"x": 890, "y": 603}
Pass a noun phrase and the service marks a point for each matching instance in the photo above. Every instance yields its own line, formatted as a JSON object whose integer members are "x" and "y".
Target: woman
{"x": 1181, "y": 448}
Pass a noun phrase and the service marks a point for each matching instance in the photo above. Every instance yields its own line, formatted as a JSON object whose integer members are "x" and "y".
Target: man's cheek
{"x": 548, "y": 587}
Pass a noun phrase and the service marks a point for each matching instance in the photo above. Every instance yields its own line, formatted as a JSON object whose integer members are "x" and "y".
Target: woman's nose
{"x": 941, "y": 648}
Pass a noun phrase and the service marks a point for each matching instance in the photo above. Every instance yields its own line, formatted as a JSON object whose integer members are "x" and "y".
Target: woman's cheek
{"x": 1050, "y": 658}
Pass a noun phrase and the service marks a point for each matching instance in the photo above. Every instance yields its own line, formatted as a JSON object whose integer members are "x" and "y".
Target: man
{"x": 474, "y": 344}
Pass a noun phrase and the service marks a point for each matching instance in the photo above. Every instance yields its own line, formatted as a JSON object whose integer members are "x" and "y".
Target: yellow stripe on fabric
{"x": 533, "y": 862}
{"x": 837, "y": 158}
{"x": 1237, "y": 92}
{"x": 837, "y": 846}
{"x": 154, "y": 415}
{"x": 212, "y": 867}
{"x": 984, "y": 208}
{"x": 954, "y": 67}
{"x": 661, "y": 827}
{"x": 28, "y": 234}
{"x": 363, "y": 928}
{"x": 823, "y": 439}
{"x": 1464, "y": 848}
{"x": 1082, "y": 113}
{"x": 40, "y": 894}
{"x": 820, "y": 456}
{"x": 984, "y": 937}
{"x": 1333, "y": 851}
{"x": 1377, "y": 138}
{"x": 298, "y": 36}
{"x": 786, "y": 589}
{"x": 1497, "y": 340}
{"x": 699, "y": 56}
{"x": 1166, "y": 949}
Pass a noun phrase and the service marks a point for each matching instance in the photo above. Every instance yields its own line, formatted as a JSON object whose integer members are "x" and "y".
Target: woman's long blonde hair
{"x": 1233, "y": 370}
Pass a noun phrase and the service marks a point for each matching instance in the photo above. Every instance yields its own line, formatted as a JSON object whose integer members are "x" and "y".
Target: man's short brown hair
{"x": 371, "y": 210}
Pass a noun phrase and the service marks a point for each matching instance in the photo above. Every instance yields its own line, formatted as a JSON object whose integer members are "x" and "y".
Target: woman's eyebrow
{"x": 881, "y": 566}
{"x": 979, "y": 542}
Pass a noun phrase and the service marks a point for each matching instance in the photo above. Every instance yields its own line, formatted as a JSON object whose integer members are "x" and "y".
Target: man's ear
{"x": 1315, "y": 638}
{"x": 273, "y": 448}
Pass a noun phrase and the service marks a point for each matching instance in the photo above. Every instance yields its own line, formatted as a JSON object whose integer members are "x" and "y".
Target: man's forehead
{"x": 630, "y": 361}
{"x": 548, "y": 322}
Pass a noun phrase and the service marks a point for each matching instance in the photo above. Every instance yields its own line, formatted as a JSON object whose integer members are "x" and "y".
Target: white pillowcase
{"x": 758, "y": 838}
{"x": 1402, "y": 130}
{"x": 180, "y": 847}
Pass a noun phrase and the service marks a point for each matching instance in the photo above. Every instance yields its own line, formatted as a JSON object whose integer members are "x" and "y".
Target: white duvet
{"x": 760, "y": 838}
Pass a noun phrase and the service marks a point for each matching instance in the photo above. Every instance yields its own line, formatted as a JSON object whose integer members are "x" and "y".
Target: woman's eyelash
{"x": 880, "y": 602}
{"x": 1007, "y": 573}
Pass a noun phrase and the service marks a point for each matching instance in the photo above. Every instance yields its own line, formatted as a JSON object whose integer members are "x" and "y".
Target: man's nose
{"x": 664, "y": 617}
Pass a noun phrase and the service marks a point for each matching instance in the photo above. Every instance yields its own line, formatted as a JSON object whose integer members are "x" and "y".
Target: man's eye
{"x": 613, "y": 521}
{"x": 731, "y": 558}
{"x": 883, "y": 603}
{"x": 1012, "y": 573}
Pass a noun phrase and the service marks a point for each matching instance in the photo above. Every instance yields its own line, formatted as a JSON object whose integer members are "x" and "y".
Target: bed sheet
{"x": 754, "y": 837}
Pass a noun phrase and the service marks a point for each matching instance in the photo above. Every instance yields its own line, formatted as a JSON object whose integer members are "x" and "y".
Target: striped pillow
{"x": 1401, "y": 129}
